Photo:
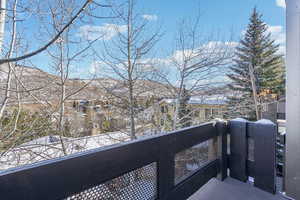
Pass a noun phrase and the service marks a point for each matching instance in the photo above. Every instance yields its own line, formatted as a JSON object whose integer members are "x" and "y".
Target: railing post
{"x": 264, "y": 132}
{"x": 222, "y": 148}
{"x": 218, "y": 148}
{"x": 238, "y": 149}
{"x": 166, "y": 167}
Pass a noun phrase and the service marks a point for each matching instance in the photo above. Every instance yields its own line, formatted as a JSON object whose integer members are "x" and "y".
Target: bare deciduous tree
{"x": 45, "y": 46}
{"x": 126, "y": 57}
{"x": 65, "y": 54}
{"x": 31, "y": 86}
{"x": 2, "y": 21}
{"x": 195, "y": 64}
{"x": 10, "y": 66}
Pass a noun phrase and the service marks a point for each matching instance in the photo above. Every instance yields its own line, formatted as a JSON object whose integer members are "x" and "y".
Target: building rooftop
{"x": 205, "y": 100}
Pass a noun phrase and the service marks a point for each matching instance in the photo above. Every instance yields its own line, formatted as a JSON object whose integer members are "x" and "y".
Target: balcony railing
{"x": 167, "y": 166}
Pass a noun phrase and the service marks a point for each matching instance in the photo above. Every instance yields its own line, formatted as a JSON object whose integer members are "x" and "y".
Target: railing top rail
{"x": 107, "y": 148}
{"x": 65, "y": 176}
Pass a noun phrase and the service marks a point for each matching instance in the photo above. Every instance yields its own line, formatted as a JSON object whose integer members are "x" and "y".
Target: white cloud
{"x": 171, "y": 65}
{"x": 212, "y": 48}
{"x": 281, "y": 3}
{"x": 278, "y": 34}
{"x": 95, "y": 67}
{"x": 104, "y": 32}
{"x": 166, "y": 64}
{"x": 150, "y": 17}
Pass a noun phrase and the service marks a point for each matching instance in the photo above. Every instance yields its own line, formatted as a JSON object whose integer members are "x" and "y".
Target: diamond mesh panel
{"x": 190, "y": 160}
{"x": 135, "y": 185}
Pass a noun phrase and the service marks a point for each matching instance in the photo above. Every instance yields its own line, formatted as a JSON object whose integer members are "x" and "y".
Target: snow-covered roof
{"x": 205, "y": 100}
{"x": 208, "y": 102}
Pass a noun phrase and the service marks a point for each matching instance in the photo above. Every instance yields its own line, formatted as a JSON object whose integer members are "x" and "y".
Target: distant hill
{"x": 35, "y": 84}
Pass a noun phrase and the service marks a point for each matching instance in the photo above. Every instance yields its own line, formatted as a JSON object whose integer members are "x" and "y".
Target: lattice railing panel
{"x": 140, "y": 184}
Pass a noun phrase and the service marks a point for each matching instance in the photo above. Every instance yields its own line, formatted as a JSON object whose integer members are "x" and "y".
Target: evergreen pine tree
{"x": 39, "y": 125}
{"x": 258, "y": 50}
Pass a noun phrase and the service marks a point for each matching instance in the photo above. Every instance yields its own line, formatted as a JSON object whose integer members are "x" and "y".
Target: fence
{"x": 168, "y": 166}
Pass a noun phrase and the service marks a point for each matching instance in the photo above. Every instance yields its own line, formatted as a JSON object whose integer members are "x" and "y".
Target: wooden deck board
{"x": 232, "y": 189}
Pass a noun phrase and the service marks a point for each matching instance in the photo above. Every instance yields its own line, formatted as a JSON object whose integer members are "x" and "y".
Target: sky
{"x": 227, "y": 17}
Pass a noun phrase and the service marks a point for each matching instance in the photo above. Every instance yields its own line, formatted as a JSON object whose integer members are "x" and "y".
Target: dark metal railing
{"x": 64, "y": 177}
{"x": 262, "y": 150}
{"x": 148, "y": 166}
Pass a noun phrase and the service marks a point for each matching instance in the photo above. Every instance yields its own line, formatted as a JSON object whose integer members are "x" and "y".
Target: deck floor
{"x": 232, "y": 189}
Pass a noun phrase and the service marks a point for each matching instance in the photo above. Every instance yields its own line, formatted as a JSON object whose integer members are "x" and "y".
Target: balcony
{"x": 192, "y": 163}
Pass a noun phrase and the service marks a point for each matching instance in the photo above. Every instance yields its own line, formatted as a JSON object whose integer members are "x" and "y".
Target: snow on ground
{"x": 264, "y": 121}
{"x": 50, "y": 147}
{"x": 239, "y": 120}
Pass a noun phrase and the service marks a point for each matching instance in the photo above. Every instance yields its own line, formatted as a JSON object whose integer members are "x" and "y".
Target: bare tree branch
{"x": 43, "y": 48}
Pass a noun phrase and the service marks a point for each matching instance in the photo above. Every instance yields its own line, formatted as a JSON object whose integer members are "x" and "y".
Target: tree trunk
{"x": 62, "y": 99}
{"x": 254, "y": 91}
{"x": 131, "y": 107}
{"x": 10, "y": 52}
{"x": 176, "y": 112}
{"x": 2, "y": 22}
{"x": 177, "y": 103}
{"x": 130, "y": 71}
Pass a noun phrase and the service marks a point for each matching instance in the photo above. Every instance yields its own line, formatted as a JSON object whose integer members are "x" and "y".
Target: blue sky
{"x": 223, "y": 15}
{"x": 228, "y": 17}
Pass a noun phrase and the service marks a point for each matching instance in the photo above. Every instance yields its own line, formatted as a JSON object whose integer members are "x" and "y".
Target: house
{"x": 274, "y": 110}
{"x": 202, "y": 109}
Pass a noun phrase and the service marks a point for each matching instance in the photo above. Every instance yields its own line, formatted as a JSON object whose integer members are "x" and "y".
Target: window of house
{"x": 207, "y": 113}
{"x": 162, "y": 109}
{"x": 162, "y": 122}
{"x": 197, "y": 113}
{"x": 215, "y": 112}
